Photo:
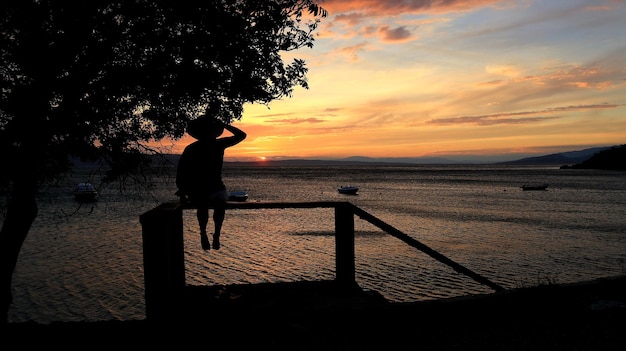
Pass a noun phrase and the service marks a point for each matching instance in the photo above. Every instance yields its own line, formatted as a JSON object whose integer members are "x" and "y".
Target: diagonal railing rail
{"x": 424, "y": 248}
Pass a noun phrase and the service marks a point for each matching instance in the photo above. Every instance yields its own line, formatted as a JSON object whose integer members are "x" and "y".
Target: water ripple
{"x": 86, "y": 262}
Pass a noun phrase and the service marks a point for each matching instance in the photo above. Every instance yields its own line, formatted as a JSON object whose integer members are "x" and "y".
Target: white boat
{"x": 348, "y": 189}
{"x": 85, "y": 192}
{"x": 239, "y": 196}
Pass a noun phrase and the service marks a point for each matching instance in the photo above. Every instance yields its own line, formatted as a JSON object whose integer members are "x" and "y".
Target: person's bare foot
{"x": 204, "y": 240}
{"x": 216, "y": 242}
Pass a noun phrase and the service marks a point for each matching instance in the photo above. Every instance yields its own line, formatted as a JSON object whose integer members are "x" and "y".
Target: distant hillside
{"x": 563, "y": 158}
{"x": 613, "y": 158}
{"x": 310, "y": 162}
{"x": 399, "y": 160}
{"x": 570, "y": 157}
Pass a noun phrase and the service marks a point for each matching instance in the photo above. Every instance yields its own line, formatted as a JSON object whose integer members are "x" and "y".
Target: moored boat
{"x": 348, "y": 190}
{"x": 239, "y": 196}
{"x": 85, "y": 192}
{"x": 534, "y": 187}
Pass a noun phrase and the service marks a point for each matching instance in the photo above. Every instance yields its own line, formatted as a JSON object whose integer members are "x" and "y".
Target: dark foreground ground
{"x": 583, "y": 316}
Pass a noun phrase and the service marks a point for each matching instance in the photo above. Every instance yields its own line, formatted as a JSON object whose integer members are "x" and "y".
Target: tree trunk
{"x": 21, "y": 213}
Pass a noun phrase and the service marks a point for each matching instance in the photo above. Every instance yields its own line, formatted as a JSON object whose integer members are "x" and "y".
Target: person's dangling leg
{"x": 219, "y": 213}
{"x": 218, "y": 200}
{"x": 203, "y": 219}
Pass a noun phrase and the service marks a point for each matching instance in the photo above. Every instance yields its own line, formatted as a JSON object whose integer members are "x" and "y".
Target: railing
{"x": 163, "y": 248}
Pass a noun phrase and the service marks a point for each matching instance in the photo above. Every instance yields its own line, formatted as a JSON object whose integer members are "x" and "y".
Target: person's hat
{"x": 204, "y": 127}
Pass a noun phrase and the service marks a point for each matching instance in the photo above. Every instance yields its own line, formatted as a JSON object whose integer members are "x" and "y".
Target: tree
{"x": 101, "y": 79}
{"x": 613, "y": 158}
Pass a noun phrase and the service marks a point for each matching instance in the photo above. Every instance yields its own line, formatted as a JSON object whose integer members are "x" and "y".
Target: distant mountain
{"x": 613, "y": 158}
{"x": 312, "y": 162}
{"x": 570, "y": 157}
{"x": 354, "y": 160}
{"x": 399, "y": 160}
{"x": 563, "y": 158}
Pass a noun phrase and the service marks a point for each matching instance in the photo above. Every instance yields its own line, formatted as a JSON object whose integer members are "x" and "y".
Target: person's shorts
{"x": 201, "y": 200}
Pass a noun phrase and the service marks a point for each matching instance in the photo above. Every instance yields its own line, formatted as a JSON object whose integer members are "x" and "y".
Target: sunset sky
{"x": 451, "y": 78}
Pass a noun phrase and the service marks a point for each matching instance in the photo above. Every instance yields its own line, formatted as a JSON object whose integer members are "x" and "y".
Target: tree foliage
{"x": 613, "y": 158}
{"x": 101, "y": 79}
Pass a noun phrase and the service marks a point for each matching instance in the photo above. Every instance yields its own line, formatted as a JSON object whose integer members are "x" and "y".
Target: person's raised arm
{"x": 237, "y": 137}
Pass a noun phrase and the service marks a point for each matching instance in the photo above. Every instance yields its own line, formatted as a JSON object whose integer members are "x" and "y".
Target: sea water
{"x": 83, "y": 261}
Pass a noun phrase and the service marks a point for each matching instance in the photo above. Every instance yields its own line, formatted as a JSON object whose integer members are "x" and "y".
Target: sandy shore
{"x": 583, "y": 316}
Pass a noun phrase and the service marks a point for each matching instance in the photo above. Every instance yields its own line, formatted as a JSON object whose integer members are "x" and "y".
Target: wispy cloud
{"x": 515, "y": 117}
{"x": 352, "y": 52}
{"x": 295, "y": 120}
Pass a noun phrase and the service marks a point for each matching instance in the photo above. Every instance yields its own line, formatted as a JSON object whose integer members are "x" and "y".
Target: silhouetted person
{"x": 199, "y": 173}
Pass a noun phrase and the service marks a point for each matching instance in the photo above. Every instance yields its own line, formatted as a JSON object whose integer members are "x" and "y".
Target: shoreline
{"x": 583, "y": 316}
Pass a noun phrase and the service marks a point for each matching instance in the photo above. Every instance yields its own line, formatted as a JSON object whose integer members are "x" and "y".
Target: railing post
{"x": 163, "y": 259}
{"x": 344, "y": 245}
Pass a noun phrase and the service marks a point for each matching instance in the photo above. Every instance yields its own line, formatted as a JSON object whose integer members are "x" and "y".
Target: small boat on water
{"x": 534, "y": 187}
{"x": 239, "y": 196}
{"x": 348, "y": 190}
{"x": 85, "y": 192}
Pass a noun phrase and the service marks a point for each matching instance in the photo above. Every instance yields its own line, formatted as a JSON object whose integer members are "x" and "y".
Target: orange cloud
{"x": 598, "y": 8}
{"x": 351, "y": 19}
{"x": 581, "y": 77}
{"x": 492, "y": 83}
{"x": 400, "y": 34}
{"x": 353, "y": 51}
